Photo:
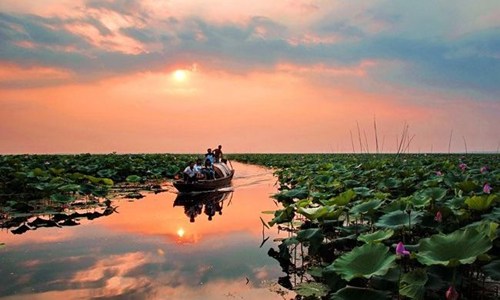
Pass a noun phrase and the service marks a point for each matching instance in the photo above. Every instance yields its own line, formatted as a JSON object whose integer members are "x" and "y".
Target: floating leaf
{"x": 355, "y": 293}
{"x": 61, "y": 198}
{"x": 413, "y": 284}
{"x": 459, "y": 247}
{"x": 480, "y": 203}
{"x": 298, "y": 193}
{"x": 310, "y": 289}
{"x": 343, "y": 198}
{"x": 376, "y": 236}
{"x": 133, "y": 178}
{"x": 399, "y": 219}
{"x": 365, "y": 261}
{"x": 435, "y": 194}
{"x": 365, "y": 207}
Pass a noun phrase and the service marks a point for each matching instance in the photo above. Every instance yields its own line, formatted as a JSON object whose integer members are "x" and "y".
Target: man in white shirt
{"x": 189, "y": 172}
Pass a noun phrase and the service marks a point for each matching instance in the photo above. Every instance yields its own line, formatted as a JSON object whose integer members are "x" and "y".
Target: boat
{"x": 223, "y": 176}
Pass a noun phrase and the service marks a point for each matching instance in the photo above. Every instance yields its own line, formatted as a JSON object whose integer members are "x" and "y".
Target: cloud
{"x": 121, "y": 36}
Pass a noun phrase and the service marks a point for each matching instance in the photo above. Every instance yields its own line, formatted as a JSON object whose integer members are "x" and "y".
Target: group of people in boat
{"x": 203, "y": 169}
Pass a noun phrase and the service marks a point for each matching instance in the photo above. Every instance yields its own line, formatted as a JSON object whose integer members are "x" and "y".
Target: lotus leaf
{"x": 399, "y": 219}
{"x": 494, "y": 215}
{"x": 61, "y": 198}
{"x": 342, "y": 199}
{"x": 365, "y": 207}
{"x": 493, "y": 270}
{"x": 172, "y": 170}
{"x": 376, "y": 236}
{"x": 309, "y": 289}
{"x": 485, "y": 227}
{"x": 413, "y": 284}
{"x": 459, "y": 247}
{"x": 298, "y": 193}
{"x": 362, "y": 191}
{"x": 480, "y": 203}
{"x": 435, "y": 194}
{"x": 133, "y": 178}
{"x": 356, "y": 293}
{"x": 365, "y": 261}
{"x": 313, "y": 213}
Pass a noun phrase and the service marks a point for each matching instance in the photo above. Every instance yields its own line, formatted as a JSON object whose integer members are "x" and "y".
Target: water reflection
{"x": 148, "y": 248}
{"x": 210, "y": 203}
{"x": 20, "y": 218}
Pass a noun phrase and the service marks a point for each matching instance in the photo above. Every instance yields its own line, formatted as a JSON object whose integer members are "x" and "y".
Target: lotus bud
{"x": 462, "y": 166}
{"x": 451, "y": 293}
{"x": 400, "y": 250}
{"x": 439, "y": 173}
{"x": 487, "y": 188}
{"x": 438, "y": 217}
{"x": 484, "y": 169}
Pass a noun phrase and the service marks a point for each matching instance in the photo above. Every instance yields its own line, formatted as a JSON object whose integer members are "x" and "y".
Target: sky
{"x": 132, "y": 76}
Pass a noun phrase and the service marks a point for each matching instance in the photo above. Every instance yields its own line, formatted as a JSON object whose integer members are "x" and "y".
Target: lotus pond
{"x": 346, "y": 227}
{"x": 388, "y": 226}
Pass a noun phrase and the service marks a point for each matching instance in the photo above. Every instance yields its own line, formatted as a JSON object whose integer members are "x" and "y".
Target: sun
{"x": 180, "y": 75}
{"x": 180, "y": 232}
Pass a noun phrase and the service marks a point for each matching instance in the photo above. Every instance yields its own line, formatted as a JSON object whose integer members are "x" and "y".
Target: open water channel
{"x": 157, "y": 247}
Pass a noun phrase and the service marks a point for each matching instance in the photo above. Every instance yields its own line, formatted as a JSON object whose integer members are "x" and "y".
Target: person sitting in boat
{"x": 218, "y": 153}
{"x": 197, "y": 169}
{"x": 208, "y": 170}
{"x": 189, "y": 172}
{"x": 209, "y": 155}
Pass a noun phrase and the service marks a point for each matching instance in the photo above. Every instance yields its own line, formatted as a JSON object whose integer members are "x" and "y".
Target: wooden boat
{"x": 223, "y": 176}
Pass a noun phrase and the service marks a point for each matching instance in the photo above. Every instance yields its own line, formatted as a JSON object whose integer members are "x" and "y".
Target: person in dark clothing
{"x": 218, "y": 154}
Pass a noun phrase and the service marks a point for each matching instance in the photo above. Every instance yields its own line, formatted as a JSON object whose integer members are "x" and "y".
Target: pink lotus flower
{"x": 462, "y": 166}
{"x": 438, "y": 217}
{"x": 400, "y": 250}
{"x": 451, "y": 293}
{"x": 487, "y": 188}
{"x": 483, "y": 169}
{"x": 438, "y": 173}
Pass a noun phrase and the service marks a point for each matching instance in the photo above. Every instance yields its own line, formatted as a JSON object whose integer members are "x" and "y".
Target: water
{"x": 151, "y": 249}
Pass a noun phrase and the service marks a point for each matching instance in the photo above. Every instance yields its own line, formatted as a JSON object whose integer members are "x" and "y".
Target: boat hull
{"x": 203, "y": 185}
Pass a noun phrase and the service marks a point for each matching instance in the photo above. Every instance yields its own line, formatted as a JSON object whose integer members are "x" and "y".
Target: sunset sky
{"x": 255, "y": 76}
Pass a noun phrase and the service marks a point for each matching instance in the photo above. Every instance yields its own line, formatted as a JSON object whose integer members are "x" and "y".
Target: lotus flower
{"x": 462, "y": 166}
{"x": 483, "y": 169}
{"x": 400, "y": 250}
{"x": 487, "y": 188}
{"x": 438, "y": 217}
{"x": 451, "y": 293}
{"x": 438, "y": 173}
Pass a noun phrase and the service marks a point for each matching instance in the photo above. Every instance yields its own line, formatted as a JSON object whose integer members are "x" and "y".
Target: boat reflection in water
{"x": 208, "y": 203}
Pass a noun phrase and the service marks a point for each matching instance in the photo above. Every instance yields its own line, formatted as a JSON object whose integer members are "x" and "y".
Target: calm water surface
{"x": 151, "y": 249}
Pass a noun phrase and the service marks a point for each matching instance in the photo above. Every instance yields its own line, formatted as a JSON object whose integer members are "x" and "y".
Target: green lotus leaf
{"x": 107, "y": 181}
{"x": 485, "y": 227}
{"x": 493, "y": 270}
{"x": 459, "y": 247}
{"x": 467, "y": 186}
{"x": 298, "y": 193}
{"x": 362, "y": 191}
{"x": 376, "y": 236}
{"x": 106, "y": 173}
{"x": 172, "y": 170}
{"x": 314, "y": 236}
{"x": 313, "y": 213}
{"x": 356, "y": 293}
{"x": 494, "y": 215}
{"x": 61, "y": 198}
{"x": 435, "y": 194}
{"x": 365, "y": 207}
{"x": 413, "y": 284}
{"x": 69, "y": 188}
{"x": 342, "y": 199}
{"x": 133, "y": 178}
{"x": 310, "y": 289}
{"x": 282, "y": 216}
{"x": 480, "y": 203}
{"x": 365, "y": 261}
{"x": 399, "y": 219}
